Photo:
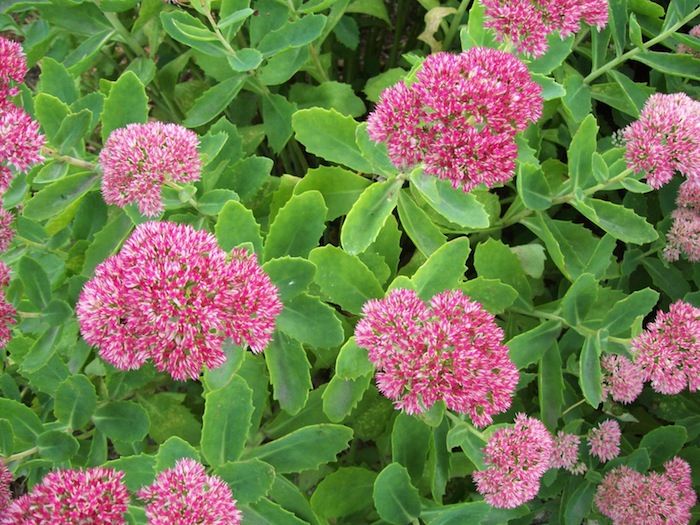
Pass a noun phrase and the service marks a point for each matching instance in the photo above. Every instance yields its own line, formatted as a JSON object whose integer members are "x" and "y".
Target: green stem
{"x": 79, "y": 163}
{"x": 572, "y": 407}
{"x": 178, "y": 188}
{"x": 454, "y": 25}
{"x": 456, "y": 420}
{"x": 129, "y": 40}
{"x": 634, "y": 52}
{"x": 21, "y": 455}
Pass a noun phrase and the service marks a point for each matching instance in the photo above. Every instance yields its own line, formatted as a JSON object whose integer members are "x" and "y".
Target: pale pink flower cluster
{"x": 623, "y": 380}
{"x": 682, "y": 48}
{"x": 138, "y": 159}
{"x": 527, "y": 23}
{"x": 516, "y": 457}
{"x": 450, "y": 350}
{"x": 628, "y": 497}
{"x": 684, "y": 235}
{"x": 8, "y": 313}
{"x": 185, "y": 495}
{"x": 13, "y": 68}
{"x": 96, "y": 496}
{"x": 460, "y": 117}
{"x": 172, "y": 295}
{"x": 665, "y": 139}
{"x": 5, "y": 480}
{"x": 604, "y": 440}
{"x": 565, "y": 453}
{"x": 668, "y": 350}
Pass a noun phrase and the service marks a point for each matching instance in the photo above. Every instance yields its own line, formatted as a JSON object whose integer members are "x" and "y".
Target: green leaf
{"x": 126, "y": 103}
{"x": 684, "y": 66}
{"x": 667, "y": 277}
{"x": 352, "y": 361}
{"x": 289, "y": 372}
{"x": 236, "y": 225}
{"x": 612, "y": 94}
{"x": 75, "y": 401}
{"x": 579, "y": 299}
{"x": 249, "y": 480}
{"x": 69, "y": 137}
{"x": 170, "y": 417}
{"x": 226, "y": 421}
{"x": 304, "y": 449}
{"x": 395, "y": 498}
{"x": 56, "y": 197}
{"x": 264, "y": 512}
{"x": 620, "y": 222}
{"x": 310, "y": 321}
{"x": 579, "y": 504}
{"x": 410, "y": 443}
{"x": 551, "y": 90}
{"x": 332, "y": 499}
{"x": 7, "y": 438}
{"x": 417, "y": 224}
{"x": 663, "y": 443}
{"x": 558, "y": 49}
{"x": 35, "y": 281}
{"x": 138, "y": 470}
{"x": 106, "y": 241}
{"x": 213, "y": 101}
{"x": 341, "y": 396}
{"x": 277, "y": 119}
{"x": 590, "y": 376}
{"x": 25, "y": 423}
{"x": 550, "y": 387}
{"x": 298, "y": 33}
{"x": 368, "y": 215}
{"x": 221, "y": 376}
{"x": 493, "y": 294}
{"x": 464, "y": 435}
{"x": 57, "y": 446}
{"x": 331, "y": 136}
{"x": 213, "y": 201}
{"x": 533, "y": 187}
{"x": 456, "y": 206}
{"x": 578, "y": 96}
{"x": 635, "y": 95}
{"x": 443, "y": 270}
{"x": 620, "y": 317}
{"x": 122, "y": 420}
{"x": 329, "y": 95}
{"x": 495, "y": 260}
{"x": 172, "y": 450}
{"x": 57, "y": 81}
{"x": 580, "y": 153}
{"x": 297, "y": 226}
{"x": 460, "y": 513}
{"x": 244, "y": 60}
{"x": 291, "y": 275}
{"x": 344, "y": 279}
{"x": 340, "y": 188}
{"x": 50, "y": 112}
{"x": 529, "y": 347}
{"x": 190, "y": 31}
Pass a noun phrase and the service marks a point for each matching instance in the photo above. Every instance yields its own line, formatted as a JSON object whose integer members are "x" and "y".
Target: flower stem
{"x": 21, "y": 455}
{"x": 123, "y": 32}
{"x": 79, "y": 163}
{"x": 572, "y": 407}
{"x": 634, "y": 52}
{"x": 454, "y": 25}
{"x": 457, "y": 421}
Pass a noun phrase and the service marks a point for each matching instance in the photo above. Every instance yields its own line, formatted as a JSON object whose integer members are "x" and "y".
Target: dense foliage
{"x": 349, "y": 261}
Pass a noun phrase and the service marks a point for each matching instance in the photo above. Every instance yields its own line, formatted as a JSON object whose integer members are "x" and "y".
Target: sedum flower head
{"x": 628, "y": 497}
{"x": 172, "y": 295}
{"x": 665, "y": 139}
{"x": 95, "y": 496}
{"x": 13, "y": 68}
{"x": 668, "y": 350}
{"x": 138, "y": 159}
{"x": 684, "y": 235}
{"x": 604, "y": 440}
{"x": 5, "y": 480}
{"x": 460, "y": 116}
{"x": 450, "y": 350}
{"x": 527, "y": 23}
{"x": 7, "y": 232}
{"x": 516, "y": 457}
{"x": 8, "y": 314}
{"x": 185, "y": 495}
{"x": 20, "y": 140}
{"x": 565, "y": 453}
{"x": 623, "y": 379}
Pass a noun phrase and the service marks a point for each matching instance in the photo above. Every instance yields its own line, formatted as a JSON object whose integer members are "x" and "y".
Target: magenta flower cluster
{"x": 604, "y": 440}
{"x": 185, "y": 494}
{"x": 623, "y": 380}
{"x": 527, "y": 23}
{"x": 8, "y": 313}
{"x": 96, "y": 496}
{"x": 565, "y": 453}
{"x": 628, "y": 497}
{"x": 13, "y": 68}
{"x": 137, "y": 160}
{"x": 460, "y": 117}
{"x": 684, "y": 235}
{"x": 449, "y": 350}
{"x": 665, "y": 139}
{"x": 5, "y": 480}
{"x": 516, "y": 457}
{"x": 668, "y": 350}
{"x": 172, "y": 295}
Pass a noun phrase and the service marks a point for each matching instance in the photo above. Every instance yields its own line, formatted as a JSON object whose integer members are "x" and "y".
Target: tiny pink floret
{"x": 449, "y": 350}
{"x": 185, "y": 495}
{"x": 172, "y": 295}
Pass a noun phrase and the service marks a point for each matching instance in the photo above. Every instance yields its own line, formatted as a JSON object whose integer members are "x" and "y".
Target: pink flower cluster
{"x": 565, "y": 453}
{"x": 628, "y": 497}
{"x": 8, "y": 313}
{"x": 138, "y": 159}
{"x": 5, "y": 480}
{"x": 604, "y": 440}
{"x": 185, "y": 494}
{"x": 665, "y": 139}
{"x": 13, "y": 68}
{"x": 623, "y": 379}
{"x": 517, "y": 458}
{"x": 527, "y": 23}
{"x": 460, "y": 117}
{"x": 450, "y": 350}
{"x": 96, "y": 496}
{"x": 668, "y": 350}
{"x": 174, "y": 296}
{"x": 684, "y": 235}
